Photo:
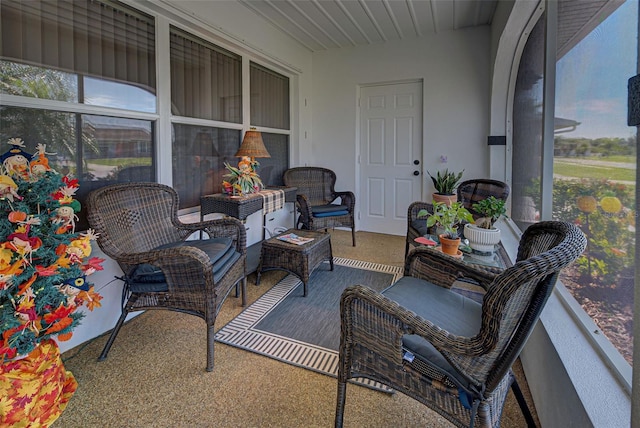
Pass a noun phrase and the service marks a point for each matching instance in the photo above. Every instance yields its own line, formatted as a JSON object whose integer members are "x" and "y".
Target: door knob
{"x": 416, "y": 162}
{"x": 416, "y": 172}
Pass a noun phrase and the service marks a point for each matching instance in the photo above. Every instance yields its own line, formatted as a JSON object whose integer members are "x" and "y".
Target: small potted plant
{"x": 445, "y": 183}
{"x": 447, "y": 217}
{"x": 483, "y": 236}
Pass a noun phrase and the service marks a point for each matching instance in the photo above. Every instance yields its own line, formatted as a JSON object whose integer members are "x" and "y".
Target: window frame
{"x": 613, "y": 360}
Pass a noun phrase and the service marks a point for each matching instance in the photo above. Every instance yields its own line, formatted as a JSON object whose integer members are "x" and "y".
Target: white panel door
{"x": 390, "y": 155}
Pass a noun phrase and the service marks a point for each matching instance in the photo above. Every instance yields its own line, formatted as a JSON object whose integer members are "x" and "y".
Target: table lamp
{"x": 252, "y": 147}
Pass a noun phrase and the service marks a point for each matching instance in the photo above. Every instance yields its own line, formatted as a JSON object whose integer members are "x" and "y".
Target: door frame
{"x": 358, "y": 117}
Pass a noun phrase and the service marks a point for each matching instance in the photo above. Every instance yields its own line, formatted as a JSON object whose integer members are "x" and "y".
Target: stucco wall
{"x": 454, "y": 67}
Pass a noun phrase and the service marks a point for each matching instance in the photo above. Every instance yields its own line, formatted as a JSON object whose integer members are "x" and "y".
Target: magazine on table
{"x": 292, "y": 238}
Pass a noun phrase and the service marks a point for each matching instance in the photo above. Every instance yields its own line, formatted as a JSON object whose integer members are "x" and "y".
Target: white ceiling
{"x": 327, "y": 24}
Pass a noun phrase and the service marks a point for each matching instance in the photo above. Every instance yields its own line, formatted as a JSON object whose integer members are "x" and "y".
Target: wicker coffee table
{"x": 298, "y": 260}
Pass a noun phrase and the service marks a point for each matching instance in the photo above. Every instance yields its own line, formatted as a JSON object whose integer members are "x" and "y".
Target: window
{"x": 271, "y": 169}
{"x": 269, "y": 98}
{"x": 594, "y": 163}
{"x": 108, "y": 60}
{"x": 206, "y": 80}
{"x": 199, "y": 155}
{"x": 595, "y": 166}
{"x": 105, "y": 47}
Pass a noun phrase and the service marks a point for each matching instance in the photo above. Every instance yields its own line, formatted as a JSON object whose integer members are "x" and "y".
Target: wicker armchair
{"x": 469, "y": 192}
{"x": 138, "y": 227}
{"x": 473, "y": 191}
{"x": 316, "y": 195}
{"x": 445, "y": 350}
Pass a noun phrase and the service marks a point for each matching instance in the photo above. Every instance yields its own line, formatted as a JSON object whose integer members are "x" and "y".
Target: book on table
{"x": 292, "y": 238}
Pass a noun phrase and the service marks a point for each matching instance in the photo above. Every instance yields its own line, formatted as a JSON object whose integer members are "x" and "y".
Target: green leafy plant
{"x": 446, "y": 182}
{"x": 447, "y": 217}
{"x": 491, "y": 210}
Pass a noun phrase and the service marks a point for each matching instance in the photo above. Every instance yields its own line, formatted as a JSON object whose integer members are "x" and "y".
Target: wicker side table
{"x": 298, "y": 260}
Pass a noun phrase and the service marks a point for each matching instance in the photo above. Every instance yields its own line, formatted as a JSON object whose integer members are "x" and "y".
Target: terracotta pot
{"x": 447, "y": 199}
{"x": 449, "y": 246}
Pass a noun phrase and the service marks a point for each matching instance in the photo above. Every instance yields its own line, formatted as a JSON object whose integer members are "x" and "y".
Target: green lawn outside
{"x": 567, "y": 169}
{"x": 121, "y": 161}
{"x": 619, "y": 158}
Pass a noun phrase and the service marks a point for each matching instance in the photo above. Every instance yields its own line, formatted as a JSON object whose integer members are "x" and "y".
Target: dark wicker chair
{"x": 445, "y": 350}
{"x": 138, "y": 227}
{"x": 473, "y": 191}
{"x": 469, "y": 192}
{"x": 316, "y": 195}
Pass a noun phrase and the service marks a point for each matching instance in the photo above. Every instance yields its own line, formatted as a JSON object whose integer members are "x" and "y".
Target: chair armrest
{"x": 304, "y": 206}
{"x": 378, "y": 323}
{"x": 224, "y": 227}
{"x": 443, "y": 270}
{"x": 347, "y": 198}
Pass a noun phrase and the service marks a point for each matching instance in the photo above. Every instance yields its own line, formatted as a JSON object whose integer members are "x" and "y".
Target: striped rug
{"x": 305, "y": 331}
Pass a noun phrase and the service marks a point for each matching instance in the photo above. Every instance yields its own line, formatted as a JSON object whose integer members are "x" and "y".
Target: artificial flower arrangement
{"x": 43, "y": 261}
{"x": 242, "y": 180}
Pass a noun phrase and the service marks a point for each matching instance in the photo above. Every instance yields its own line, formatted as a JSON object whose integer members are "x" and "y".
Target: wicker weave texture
{"x": 299, "y": 260}
{"x": 473, "y": 191}
{"x": 373, "y": 327}
{"x": 316, "y": 186}
{"x": 239, "y": 207}
{"x": 134, "y": 219}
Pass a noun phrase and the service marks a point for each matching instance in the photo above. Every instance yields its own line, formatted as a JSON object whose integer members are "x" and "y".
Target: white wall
{"x": 455, "y": 109}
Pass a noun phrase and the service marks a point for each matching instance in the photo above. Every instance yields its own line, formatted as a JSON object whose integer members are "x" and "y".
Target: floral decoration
{"x": 242, "y": 180}
{"x": 43, "y": 261}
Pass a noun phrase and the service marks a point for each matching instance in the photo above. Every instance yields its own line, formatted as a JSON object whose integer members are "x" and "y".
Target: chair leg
{"x": 523, "y": 404}
{"x": 353, "y": 236}
{"x": 114, "y": 333}
{"x": 342, "y": 391}
{"x": 210, "y": 341}
{"x": 244, "y": 291}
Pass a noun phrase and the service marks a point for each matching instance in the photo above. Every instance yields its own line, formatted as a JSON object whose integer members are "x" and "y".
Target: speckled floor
{"x": 154, "y": 375}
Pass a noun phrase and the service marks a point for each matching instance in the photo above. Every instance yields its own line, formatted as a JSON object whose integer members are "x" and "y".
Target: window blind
{"x": 98, "y": 38}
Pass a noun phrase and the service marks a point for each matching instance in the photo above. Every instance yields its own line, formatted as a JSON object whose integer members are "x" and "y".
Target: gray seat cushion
{"x": 421, "y": 226}
{"x": 445, "y": 308}
{"x": 147, "y": 278}
{"x": 328, "y": 208}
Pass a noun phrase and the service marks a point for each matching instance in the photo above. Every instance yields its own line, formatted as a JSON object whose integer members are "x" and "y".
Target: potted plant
{"x": 483, "y": 236}
{"x": 448, "y": 217}
{"x": 445, "y": 183}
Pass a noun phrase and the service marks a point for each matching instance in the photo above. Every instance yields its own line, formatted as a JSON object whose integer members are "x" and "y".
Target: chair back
{"x": 473, "y": 191}
{"x": 133, "y": 218}
{"x": 513, "y": 303}
{"x": 316, "y": 183}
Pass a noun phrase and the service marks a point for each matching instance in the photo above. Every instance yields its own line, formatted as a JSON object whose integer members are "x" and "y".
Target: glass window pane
{"x": 527, "y": 131}
{"x": 595, "y": 168}
{"x": 199, "y": 155}
{"x": 37, "y": 82}
{"x": 271, "y": 169}
{"x": 206, "y": 80}
{"x": 106, "y": 93}
{"x": 269, "y": 98}
{"x": 108, "y": 151}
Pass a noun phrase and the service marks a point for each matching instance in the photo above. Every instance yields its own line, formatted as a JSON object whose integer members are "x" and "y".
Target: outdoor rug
{"x": 305, "y": 331}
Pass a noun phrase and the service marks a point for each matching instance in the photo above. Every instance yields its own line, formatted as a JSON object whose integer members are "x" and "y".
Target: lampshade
{"x": 253, "y": 146}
